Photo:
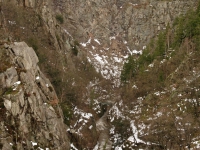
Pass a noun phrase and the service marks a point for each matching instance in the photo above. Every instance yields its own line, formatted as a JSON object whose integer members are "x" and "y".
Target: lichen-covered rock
{"x": 25, "y": 55}
{"x": 10, "y": 77}
{"x": 32, "y": 116}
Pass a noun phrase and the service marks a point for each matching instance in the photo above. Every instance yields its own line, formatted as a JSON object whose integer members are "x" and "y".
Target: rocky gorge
{"x": 60, "y": 75}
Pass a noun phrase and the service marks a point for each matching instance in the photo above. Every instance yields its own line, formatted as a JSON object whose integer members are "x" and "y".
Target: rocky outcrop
{"x": 31, "y": 116}
{"x": 107, "y": 30}
{"x": 134, "y": 21}
{"x": 111, "y": 30}
{"x": 119, "y": 27}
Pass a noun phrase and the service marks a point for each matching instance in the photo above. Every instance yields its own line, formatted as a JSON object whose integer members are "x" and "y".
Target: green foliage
{"x": 198, "y": 9}
{"x": 55, "y": 79}
{"x": 32, "y": 42}
{"x": 160, "y": 45}
{"x": 193, "y": 24}
{"x": 122, "y": 128}
{"x": 175, "y": 97}
{"x": 145, "y": 59}
{"x": 60, "y": 18}
{"x": 67, "y": 112}
{"x": 72, "y": 97}
{"x": 8, "y": 91}
{"x": 134, "y": 66}
{"x": 187, "y": 26}
{"x": 179, "y": 35}
{"x": 161, "y": 77}
{"x": 129, "y": 69}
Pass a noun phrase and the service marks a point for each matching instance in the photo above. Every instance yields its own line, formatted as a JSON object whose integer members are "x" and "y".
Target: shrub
{"x": 32, "y": 42}
{"x": 122, "y": 127}
{"x": 155, "y": 50}
{"x": 67, "y": 112}
{"x": 160, "y": 45}
{"x": 60, "y": 18}
{"x": 74, "y": 48}
{"x": 129, "y": 69}
{"x": 187, "y": 26}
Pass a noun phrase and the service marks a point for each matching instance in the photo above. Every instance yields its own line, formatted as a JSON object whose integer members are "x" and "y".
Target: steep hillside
{"x": 111, "y": 30}
{"x": 160, "y": 91}
{"x": 74, "y": 78}
{"x": 125, "y": 73}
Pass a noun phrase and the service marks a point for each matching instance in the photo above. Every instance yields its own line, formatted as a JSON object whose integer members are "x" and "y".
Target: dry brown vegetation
{"x": 68, "y": 71}
{"x": 170, "y": 89}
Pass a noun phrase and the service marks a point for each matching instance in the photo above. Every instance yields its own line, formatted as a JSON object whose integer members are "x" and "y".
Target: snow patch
{"x": 112, "y": 38}
{"x": 11, "y": 22}
{"x": 85, "y": 44}
{"x": 151, "y": 65}
{"x": 72, "y": 146}
{"x": 33, "y": 143}
{"x": 135, "y": 133}
{"x": 96, "y": 146}
{"x": 96, "y": 40}
{"x": 17, "y": 83}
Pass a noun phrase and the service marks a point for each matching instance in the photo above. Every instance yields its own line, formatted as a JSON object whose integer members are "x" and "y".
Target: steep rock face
{"x": 134, "y": 21}
{"x": 31, "y": 116}
{"x": 111, "y": 30}
{"x": 108, "y": 30}
{"x": 47, "y": 11}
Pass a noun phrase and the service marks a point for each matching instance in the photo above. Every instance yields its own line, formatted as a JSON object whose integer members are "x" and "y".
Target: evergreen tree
{"x": 129, "y": 69}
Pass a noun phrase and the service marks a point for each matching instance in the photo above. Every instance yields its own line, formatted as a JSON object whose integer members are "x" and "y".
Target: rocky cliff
{"x": 71, "y": 38}
{"x": 106, "y": 31}
{"x": 30, "y": 115}
{"x": 133, "y": 21}
{"x": 109, "y": 31}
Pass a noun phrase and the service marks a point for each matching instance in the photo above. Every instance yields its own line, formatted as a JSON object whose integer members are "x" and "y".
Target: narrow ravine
{"x": 102, "y": 126}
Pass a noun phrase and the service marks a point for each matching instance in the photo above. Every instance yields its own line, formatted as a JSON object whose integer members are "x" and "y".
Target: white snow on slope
{"x": 73, "y": 147}
{"x": 83, "y": 119}
{"x": 106, "y": 62}
{"x": 85, "y": 44}
{"x": 135, "y": 133}
{"x": 96, "y": 40}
